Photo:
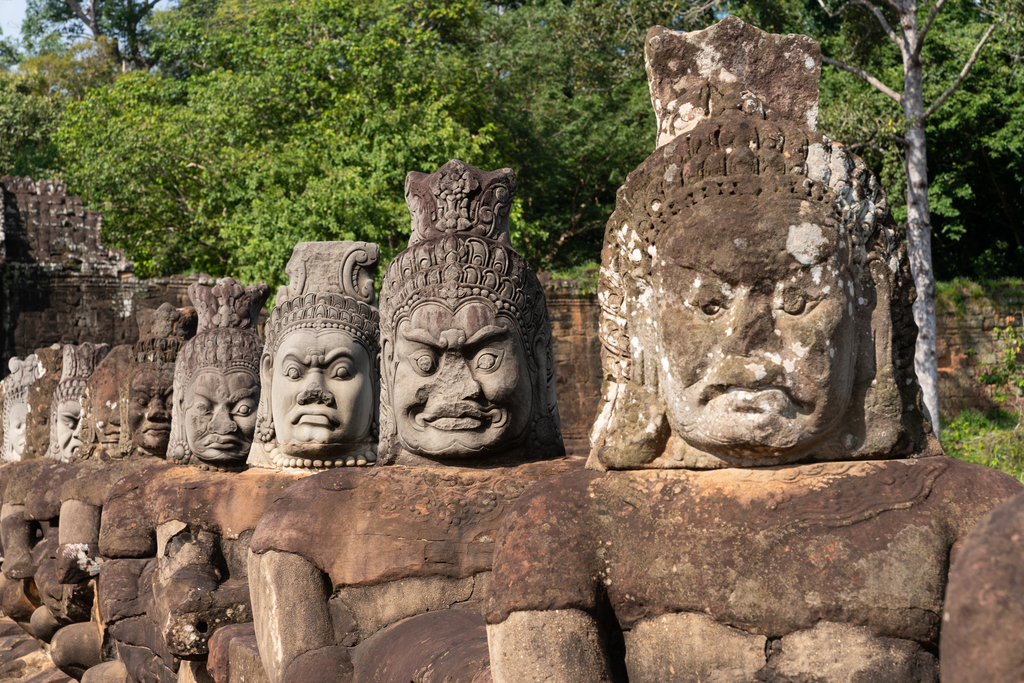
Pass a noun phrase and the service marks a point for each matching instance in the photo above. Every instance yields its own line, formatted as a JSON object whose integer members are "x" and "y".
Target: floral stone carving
{"x": 66, "y": 405}
{"x": 758, "y": 463}
{"x": 318, "y": 406}
{"x": 216, "y": 378}
{"x": 466, "y": 343}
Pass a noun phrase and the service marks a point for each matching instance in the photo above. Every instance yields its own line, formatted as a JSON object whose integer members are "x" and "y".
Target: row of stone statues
{"x": 381, "y": 493}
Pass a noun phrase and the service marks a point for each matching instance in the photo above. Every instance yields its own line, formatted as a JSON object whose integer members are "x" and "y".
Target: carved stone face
{"x": 19, "y": 413}
{"x": 69, "y": 429}
{"x": 322, "y": 392}
{"x": 757, "y": 327}
{"x": 107, "y": 416}
{"x": 149, "y": 408}
{"x": 220, "y": 414}
{"x": 462, "y": 387}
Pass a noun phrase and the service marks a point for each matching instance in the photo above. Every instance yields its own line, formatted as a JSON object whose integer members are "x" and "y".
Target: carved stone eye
{"x": 710, "y": 309}
{"x": 425, "y": 363}
{"x": 486, "y": 361}
{"x": 342, "y": 372}
{"x": 292, "y": 373}
{"x": 794, "y": 304}
{"x": 243, "y": 410}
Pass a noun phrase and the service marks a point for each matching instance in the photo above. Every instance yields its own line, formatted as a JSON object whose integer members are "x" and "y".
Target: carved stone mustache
{"x": 456, "y": 409}
{"x": 315, "y": 394}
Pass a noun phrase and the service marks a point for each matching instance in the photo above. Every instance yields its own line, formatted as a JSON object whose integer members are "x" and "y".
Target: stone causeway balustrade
{"x": 384, "y": 485}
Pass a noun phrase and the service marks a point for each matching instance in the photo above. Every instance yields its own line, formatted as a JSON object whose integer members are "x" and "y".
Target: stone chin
{"x": 321, "y": 450}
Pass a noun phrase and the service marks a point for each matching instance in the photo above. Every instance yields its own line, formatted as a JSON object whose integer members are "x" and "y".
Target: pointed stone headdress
{"x": 460, "y": 248}
{"x": 226, "y": 340}
{"x": 79, "y": 363}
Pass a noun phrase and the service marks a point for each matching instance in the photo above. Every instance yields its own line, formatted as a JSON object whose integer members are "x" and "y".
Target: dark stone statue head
{"x": 66, "y": 406}
{"x": 148, "y": 385}
{"x": 24, "y": 371}
{"x": 216, "y": 378}
{"x": 466, "y": 344}
{"x": 755, "y": 295}
{"x": 318, "y": 406}
{"x": 101, "y": 412}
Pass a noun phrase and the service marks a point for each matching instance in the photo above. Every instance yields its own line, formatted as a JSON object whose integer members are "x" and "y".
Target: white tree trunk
{"x": 919, "y": 220}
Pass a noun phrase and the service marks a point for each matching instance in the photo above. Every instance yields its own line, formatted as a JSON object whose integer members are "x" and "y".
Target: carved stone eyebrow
{"x": 243, "y": 393}
{"x": 422, "y": 336}
{"x": 486, "y": 334}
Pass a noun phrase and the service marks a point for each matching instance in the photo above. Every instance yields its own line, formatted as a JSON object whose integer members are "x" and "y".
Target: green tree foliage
{"x": 29, "y": 114}
{"x": 975, "y": 140}
{"x": 292, "y": 121}
{"x": 568, "y": 95}
{"x": 50, "y": 25}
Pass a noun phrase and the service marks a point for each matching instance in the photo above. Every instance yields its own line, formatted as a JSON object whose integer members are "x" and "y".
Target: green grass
{"x": 584, "y": 276}
{"x": 992, "y": 439}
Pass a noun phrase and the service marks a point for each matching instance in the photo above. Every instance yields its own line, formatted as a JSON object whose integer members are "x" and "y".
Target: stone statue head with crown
{"x": 66, "y": 406}
{"x": 24, "y": 371}
{"x": 216, "y": 378}
{"x": 754, "y": 290}
{"x": 148, "y": 384}
{"x": 318, "y": 406}
{"x": 468, "y": 374}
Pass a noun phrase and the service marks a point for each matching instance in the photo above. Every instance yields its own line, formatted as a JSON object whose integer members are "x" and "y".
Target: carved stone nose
{"x": 222, "y": 422}
{"x": 455, "y": 378}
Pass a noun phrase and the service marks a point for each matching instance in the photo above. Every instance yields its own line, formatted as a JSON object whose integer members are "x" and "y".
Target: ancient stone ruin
{"x": 383, "y": 494}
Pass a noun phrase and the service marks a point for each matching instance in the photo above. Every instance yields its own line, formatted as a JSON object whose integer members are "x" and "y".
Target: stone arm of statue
{"x": 193, "y": 596}
{"x": 295, "y": 633}
{"x": 552, "y": 646}
{"x": 78, "y": 558}
{"x": 19, "y": 538}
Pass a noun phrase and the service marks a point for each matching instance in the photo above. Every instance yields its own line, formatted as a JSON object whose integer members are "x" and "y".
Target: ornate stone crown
{"x": 226, "y": 340}
{"x": 79, "y": 363}
{"x": 322, "y": 294}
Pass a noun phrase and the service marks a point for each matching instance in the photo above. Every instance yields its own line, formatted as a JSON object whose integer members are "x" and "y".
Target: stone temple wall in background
{"x": 60, "y": 284}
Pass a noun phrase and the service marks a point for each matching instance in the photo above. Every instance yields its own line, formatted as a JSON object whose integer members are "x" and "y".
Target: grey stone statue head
{"x": 318, "y": 406}
{"x": 66, "y": 404}
{"x": 216, "y": 378}
{"x": 24, "y": 371}
{"x": 755, "y": 295}
{"x": 467, "y": 367}
{"x": 148, "y": 384}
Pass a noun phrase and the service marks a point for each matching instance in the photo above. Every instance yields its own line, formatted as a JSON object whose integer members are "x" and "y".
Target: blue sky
{"x": 12, "y": 12}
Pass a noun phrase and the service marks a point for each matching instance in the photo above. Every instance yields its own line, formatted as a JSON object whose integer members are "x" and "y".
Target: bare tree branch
{"x": 874, "y": 10}
{"x": 963, "y": 72}
{"x": 91, "y": 23}
{"x": 927, "y": 26}
{"x": 881, "y": 87}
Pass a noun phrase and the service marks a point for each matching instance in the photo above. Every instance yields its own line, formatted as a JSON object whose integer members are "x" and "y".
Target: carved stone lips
{"x": 318, "y": 417}
{"x": 460, "y": 416}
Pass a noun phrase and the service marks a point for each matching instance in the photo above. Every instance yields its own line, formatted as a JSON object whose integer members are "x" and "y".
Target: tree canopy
{"x": 243, "y": 126}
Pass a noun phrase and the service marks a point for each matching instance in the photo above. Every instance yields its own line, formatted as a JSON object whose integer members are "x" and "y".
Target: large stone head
{"x": 755, "y": 296}
{"x": 148, "y": 385}
{"x": 318, "y": 406}
{"x": 216, "y": 378}
{"x": 466, "y": 343}
{"x": 66, "y": 406}
{"x": 24, "y": 371}
{"x": 101, "y": 412}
